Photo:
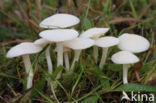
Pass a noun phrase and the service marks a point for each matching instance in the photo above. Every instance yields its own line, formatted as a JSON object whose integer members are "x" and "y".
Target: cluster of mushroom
{"x": 129, "y": 44}
{"x": 67, "y": 39}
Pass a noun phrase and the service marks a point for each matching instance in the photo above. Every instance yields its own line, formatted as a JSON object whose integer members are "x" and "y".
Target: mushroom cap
{"x": 107, "y": 41}
{"x": 59, "y": 21}
{"x": 79, "y": 43}
{"x": 41, "y": 42}
{"x": 124, "y": 57}
{"x": 59, "y": 35}
{"x": 133, "y": 43}
{"x": 23, "y": 49}
{"x": 94, "y": 32}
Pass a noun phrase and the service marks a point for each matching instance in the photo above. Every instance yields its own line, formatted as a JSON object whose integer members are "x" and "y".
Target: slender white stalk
{"x": 30, "y": 79}
{"x": 125, "y": 73}
{"x": 59, "y": 54}
{"x": 59, "y": 57}
{"x": 66, "y": 61}
{"x": 76, "y": 58}
{"x": 95, "y": 53}
{"x": 103, "y": 58}
{"x": 125, "y": 80}
{"x": 27, "y": 63}
{"x": 29, "y": 70}
{"x": 49, "y": 61}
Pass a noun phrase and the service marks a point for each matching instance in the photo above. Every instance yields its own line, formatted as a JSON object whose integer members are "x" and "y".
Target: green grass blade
{"x": 73, "y": 88}
{"x": 52, "y": 89}
{"x": 88, "y": 94}
{"x": 133, "y": 9}
{"x": 44, "y": 96}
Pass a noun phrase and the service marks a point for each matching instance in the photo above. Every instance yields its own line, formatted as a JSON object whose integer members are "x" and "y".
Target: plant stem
{"x": 95, "y": 53}
{"x": 49, "y": 61}
{"x": 103, "y": 59}
{"x": 29, "y": 70}
{"x": 59, "y": 57}
{"x": 76, "y": 58}
{"x": 66, "y": 61}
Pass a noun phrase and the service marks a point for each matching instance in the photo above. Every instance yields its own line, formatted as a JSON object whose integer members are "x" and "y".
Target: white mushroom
{"x": 24, "y": 49}
{"x": 77, "y": 45}
{"x": 59, "y": 36}
{"x": 94, "y": 33}
{"x": 105, "y": 43}
{"x": 43, "y": 42}
{"x": 133, "y": 43}
{"x": 126, "y": 58}
{"x": 59, "y": 21}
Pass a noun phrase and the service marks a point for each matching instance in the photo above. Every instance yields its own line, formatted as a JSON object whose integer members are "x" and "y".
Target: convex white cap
{"x": 59, "y": 21}
{"x": 59, "y": 35}
{"x": 41, "y": 42}
{"x": 107, "y": 41}
{"x": 94, "y": 32}
{"x": 124, "y": 57}
{"x": 79, "y": 43}
{"x": 133, "y": 43}
{"x": 23, "y": 49}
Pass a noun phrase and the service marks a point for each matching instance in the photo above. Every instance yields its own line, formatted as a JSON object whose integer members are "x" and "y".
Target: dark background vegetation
{"x": 19, "y": 21}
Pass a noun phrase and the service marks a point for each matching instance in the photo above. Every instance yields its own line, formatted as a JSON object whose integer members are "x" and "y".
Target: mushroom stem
{"x": 66, "y": 61}
{"x": 125, "y": 80}
{"x": 27, "y": 63}
{"x": 29, "y": 70}
{"x": 76, "y": 58}
{"x": 125, "y": 73}
{"x": 95, "y": 53}
{"x": 30, "y": 79}
{"x": 103, "y": 59}
{"x": 49, "y": 62}
{"x": 59, "y": 54}
{"x": 59, "y": 57}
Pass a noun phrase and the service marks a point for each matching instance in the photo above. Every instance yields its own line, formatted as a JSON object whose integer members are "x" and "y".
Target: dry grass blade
{"x": 107, "y": 91}
{"x": 119, "y": 20}
{"x": 143, "y": 13}
{"x": 13, "y": 42}
{"x": 29, "y": 9}
{"x": 22, "y": 11}
{"x": 36, "y": 27}
{"x": 39, "y": 9}
{"x": 146, "y": 9}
